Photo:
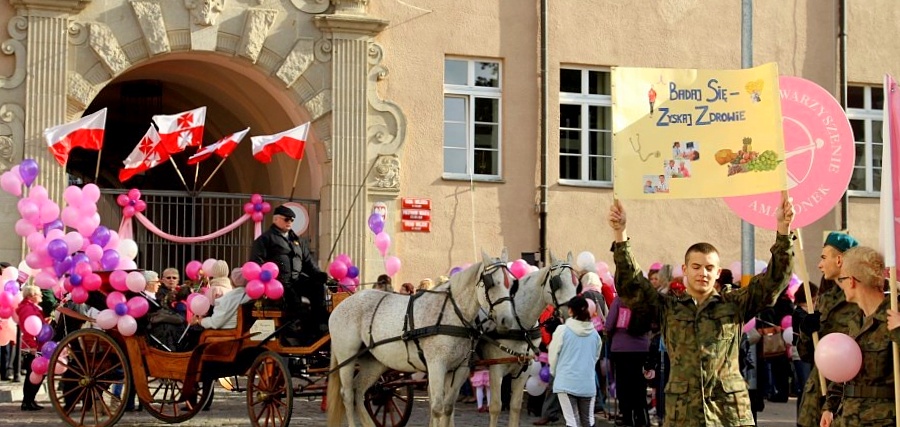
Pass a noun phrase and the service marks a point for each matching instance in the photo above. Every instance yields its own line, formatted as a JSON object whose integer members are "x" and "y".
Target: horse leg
{"x": 370, "y": 370}
{"x": 436, "y": 385}
{"x": 497, "y": 372}
{"x": 347, "y": 384}
{"x": 456, "y": 380}
{"x": 515, "y": 402}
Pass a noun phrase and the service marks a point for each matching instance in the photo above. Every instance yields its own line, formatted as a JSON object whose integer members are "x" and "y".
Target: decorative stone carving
{"x": 17, "y": 27}
{"x": 296, "y": 62}
{"x": 319, "y": 104}
{"x": 387, "y": 172}
{"x": 104, "y": 44}
{"x": 149, "y": 15}
{"x": 14, "y": 47}
{"x": 322, "y": 50}
{"x": 350, "y": 7}
{"x": 205, "y": 12}
{"x": 12, "y": 133}
{"x": 78, "y": 34}
{"x": 256, "y": 29}
{"x": 375, "y": 53}
{"x": 387, "y": 123}
{"x": 311, "y": 6}
{"x": 80, "y": 92}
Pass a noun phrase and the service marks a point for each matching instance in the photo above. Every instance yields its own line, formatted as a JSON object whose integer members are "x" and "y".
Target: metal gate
{"x": 181, "y": 214}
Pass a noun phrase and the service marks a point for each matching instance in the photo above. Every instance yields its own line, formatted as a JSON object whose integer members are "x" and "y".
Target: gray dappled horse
{"x": 428, "y": 332}
{"x": 553, "y": 285}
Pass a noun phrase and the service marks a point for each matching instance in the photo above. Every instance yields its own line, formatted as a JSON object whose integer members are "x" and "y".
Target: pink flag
{"x": 182, "y": 130}
{"x": 222, "y": 148}
{"x": 291, "y": 142}
{"x": 890, "y": 189}
{"x": 148, "y": 153}
{"x": 86, "y": 133}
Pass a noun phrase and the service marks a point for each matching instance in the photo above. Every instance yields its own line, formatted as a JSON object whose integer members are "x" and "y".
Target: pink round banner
{"x": 819, "y": 151}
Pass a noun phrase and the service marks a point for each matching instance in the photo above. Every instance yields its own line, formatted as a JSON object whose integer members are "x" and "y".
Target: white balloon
{"x": 534, "y": 369}
{"x": 135, "y": 281}
{"x": 753, "y": 336}
{"x": 788, "y": 335}
{"x": 534, "y": 386}
{"x": 128, "y": 249}
{"x": 586, "y": 261}
{"x": 418, "y": 376}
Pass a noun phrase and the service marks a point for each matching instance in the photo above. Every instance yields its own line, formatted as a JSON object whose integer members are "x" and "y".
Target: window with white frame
{"x": 864, "y": 109}
{"x": 585, "y": 126}
{"x": 471, "y": 118}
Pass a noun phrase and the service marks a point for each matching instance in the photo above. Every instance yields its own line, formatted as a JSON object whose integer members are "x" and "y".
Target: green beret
{"x": 840, "y": 241}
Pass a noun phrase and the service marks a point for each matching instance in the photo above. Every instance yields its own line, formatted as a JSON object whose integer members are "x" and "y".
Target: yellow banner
{"x": 697, "y": 133}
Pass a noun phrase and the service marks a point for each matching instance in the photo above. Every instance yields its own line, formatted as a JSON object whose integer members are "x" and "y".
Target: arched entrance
{"x": 236, "y": 96}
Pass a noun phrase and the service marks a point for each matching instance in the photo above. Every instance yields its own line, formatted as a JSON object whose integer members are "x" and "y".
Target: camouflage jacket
{"x": 837, "y": 316}
{"x": 705, "y": 386}
{"x": 868, "y": 399}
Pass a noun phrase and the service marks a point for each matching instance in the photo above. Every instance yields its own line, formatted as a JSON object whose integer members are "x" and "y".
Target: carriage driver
{"x": 297, "y": 271}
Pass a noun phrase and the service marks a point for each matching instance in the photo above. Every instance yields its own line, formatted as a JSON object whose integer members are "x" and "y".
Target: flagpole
{"x": 895, "y": 348}
{"x": 186, "y": 188}
{"x": 296, "y": 174}
{"x": 197, "y": 173}
{"x": 97, "y": 168}
{"x": 212, "y": 174}
{"x": 800, "y": 268}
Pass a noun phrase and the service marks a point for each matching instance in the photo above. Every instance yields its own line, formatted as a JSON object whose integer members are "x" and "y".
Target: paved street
{"x": 229, "y": 409}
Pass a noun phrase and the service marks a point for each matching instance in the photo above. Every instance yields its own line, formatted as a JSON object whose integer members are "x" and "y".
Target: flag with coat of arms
{"x": 182, "y": 130}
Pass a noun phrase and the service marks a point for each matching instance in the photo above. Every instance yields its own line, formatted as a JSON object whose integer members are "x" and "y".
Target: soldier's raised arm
{"x": 631, "y": 284}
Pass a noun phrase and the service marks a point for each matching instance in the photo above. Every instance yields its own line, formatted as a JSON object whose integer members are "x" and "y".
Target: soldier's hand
{"x": 785, "y": 214}
{"x": 827, "y": 418}
{"x": 617, "y": 216}
{"x": 811, "y": 323}
{"x": 893, "y": 319}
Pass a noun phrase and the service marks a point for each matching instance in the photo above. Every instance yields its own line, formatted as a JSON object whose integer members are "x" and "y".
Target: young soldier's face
{"x": 701, "y": 272}
{"x": 830, "y": 263}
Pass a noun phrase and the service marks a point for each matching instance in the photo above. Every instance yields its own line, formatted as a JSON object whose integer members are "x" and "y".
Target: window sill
{"x": 496, "y": 180}
{"x": 585, "y": 184}
{"x": 864, "y": 194}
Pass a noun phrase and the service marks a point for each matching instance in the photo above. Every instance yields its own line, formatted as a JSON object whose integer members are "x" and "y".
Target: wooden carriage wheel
{"x": 390, "y": 403}
{"x": 169, "y": 405}
{"x": 84, "y": 368}
{"x": 270, "y": 397}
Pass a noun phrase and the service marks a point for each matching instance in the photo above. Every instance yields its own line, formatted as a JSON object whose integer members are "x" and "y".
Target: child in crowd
{"x": 481, "y": 382}
{"x": 573, "y": 352}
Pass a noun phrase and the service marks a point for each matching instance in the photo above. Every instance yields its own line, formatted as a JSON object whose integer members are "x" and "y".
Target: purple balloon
{"x": 110, "y": 260}
{"x": 46, "y": 334}
{"x": 75, "y": 279}
{"x": 100, "y": 236}
{"x": 376, "y": 223}
{"x": 121, "y": 309}
{"x": 63, "y": 267}
{"x": 28, "y": 170}
{"x": 79, "y": 258}
{"x": 58, "y": 249}
{"x": 56, "y": 224}
{"x": 455, "y": 270}
{"x": 352, "y": 271}
{"x": 47, "y": 349}
{"x": 12, "y": 287}
{"x": 545, "y": 374}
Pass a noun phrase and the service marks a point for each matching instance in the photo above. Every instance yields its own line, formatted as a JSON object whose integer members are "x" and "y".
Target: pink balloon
{"x": 6, "y": 313}
{"x": 94, "y": 252}
{"x": 592, "y": 307}
{"x": 192, "y": 269}
{"x": 749, "y": 326}
{"x": 61, "y": 365}
{"x": 391, "y": 265}
{"x": 107, "y": 319}
{"x": 257, "y": 216}
{"x": 137, "y": 307}
{"x": 91, "y": 282}
{"x": 35, "y": 378}
{"x": 90, "y": 193}
{"x": 519, "y": 268}
{"x": 543, "y": 357}
{"x": 383, "y": 242}
{"x": 271, "y": 267}
{"x": 45, "y": 280}
{"x": 602, "y": 267}
{"x": 32, "y": 325}
{"x": 117, "y": 279}
{"x": 29, "y": 209}
{"x": 79, "y": 295}
{"x": 250, "y": 270}
{"x": 786, "y": 322}
{"x": 207, "y": 266}
{"x": 74, "y": 240}
{"x": 135, "y": 281}
{"x": 838, "y": 357}
{"x": 113, "y": 242}
{"x": 200, "y": 304}
{"x": 122, "y": 200}
{"x": 49, "y": 211}
{"x": 35, "y": 240}
{"x": 255, "y": 289}
{"x": 127, "y": 325}
{"x": 114, "y": 298}
{"x": 24, "y": 228}
{"x": 39, "y": 366}
{"x": 7, "y": 299}
{"x": 735, "y": 268}
{"x": 348, "y": 284}
{"x": 344, "y": 258}
{"x": 337, "y": 269}
{"x": 83, "y": 269}
{"x": 274, "y": 289}
{"x": 11, "y": 183}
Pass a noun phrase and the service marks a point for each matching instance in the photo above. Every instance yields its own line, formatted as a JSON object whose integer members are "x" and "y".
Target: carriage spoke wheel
{"x": 84, "y": 370}
{"x": 170, "y": 405}
{"x": 390, "y": 405}
{"x": 270, "y": 398}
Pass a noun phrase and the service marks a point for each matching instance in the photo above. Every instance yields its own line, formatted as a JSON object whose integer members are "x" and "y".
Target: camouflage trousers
{"x": 810, "y": 412}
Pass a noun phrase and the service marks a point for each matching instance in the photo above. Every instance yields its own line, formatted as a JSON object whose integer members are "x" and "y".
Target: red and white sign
{"x": 417, "y": 214}
{"x": 416, "y": 225}
{"x": 416, "y": 203}
{"x": 819, "y": 151}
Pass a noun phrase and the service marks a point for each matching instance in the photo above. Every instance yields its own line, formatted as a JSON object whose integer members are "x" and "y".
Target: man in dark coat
{"x": 297, "y": 270}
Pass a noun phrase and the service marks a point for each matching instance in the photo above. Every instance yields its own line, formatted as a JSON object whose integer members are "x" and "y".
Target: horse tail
{"x": 335, "y": 401}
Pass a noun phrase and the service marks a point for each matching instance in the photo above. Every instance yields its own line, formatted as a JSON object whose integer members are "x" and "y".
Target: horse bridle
{"x": 556, "y": 282}
{"x": 487, "y": 281}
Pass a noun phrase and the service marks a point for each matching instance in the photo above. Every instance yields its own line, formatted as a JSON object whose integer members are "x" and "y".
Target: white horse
{"x": 428, "y": 332}
{"x": 553, "y": 285}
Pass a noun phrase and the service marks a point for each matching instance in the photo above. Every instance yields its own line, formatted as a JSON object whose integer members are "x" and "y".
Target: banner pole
{"x": 212, "y": 174}
{"x": 186, "y": 188}
{"x": 895, "y": 347}
{"x": 296, "y": 174}
{"x": 97, "y": 168}
{"x": 803, "y": 273}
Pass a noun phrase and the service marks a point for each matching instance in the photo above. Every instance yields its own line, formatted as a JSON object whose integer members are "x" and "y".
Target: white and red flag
{"x": 86, "y": 133}
{"x": 182, "y": 130}
{"x": 890, "y": 188}
{"x": 291, "y": 142}
{"x": 221, "y": 148}
{"x": 148, "y": 153}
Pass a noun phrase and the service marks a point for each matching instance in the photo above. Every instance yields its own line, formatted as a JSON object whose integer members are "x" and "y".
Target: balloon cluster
{"x": 257, "y": 208}
{"x": 392, "y": 264}
{"x": 587, "y": 262}
{"x": 538, "y": 376}
{"x": 21, "y": 174}
{"x": 262, "y": 280}
{"x": 10, "y": 297}
{"x": 196, "y": 270}
{"x": 121, "y": 312}
{"x": 131, "y": 203}
{"x": 43, "y": 333}
{"x": 343, "y": 270}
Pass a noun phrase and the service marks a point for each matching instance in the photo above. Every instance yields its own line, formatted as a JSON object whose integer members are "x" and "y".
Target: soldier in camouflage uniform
{"x": 833, "y": 314}
{"x": 701, "y": 328}
{"x": 868, "y": 398}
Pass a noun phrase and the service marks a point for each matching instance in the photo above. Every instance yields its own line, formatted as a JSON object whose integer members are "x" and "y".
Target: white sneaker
{"x": 652, "y": 411}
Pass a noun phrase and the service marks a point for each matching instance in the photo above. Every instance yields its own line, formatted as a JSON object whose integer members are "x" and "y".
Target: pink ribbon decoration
{"x": 179, "y": 239}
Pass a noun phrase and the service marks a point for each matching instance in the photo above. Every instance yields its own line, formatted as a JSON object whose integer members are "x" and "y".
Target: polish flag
{"x": 86, "y": 133}
{"x": 222, "y": 148}
{"x": 292, "y": 142}
{"x": 182, "y": 130}
{"x": 148, "y": 153}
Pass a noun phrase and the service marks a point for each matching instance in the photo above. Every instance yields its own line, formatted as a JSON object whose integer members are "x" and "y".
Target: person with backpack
{"x": 629, "y": 334}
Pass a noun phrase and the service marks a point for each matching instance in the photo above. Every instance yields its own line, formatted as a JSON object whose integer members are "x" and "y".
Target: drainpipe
{"x": 542, "y": 216}
{"x": 842, "y": 76}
